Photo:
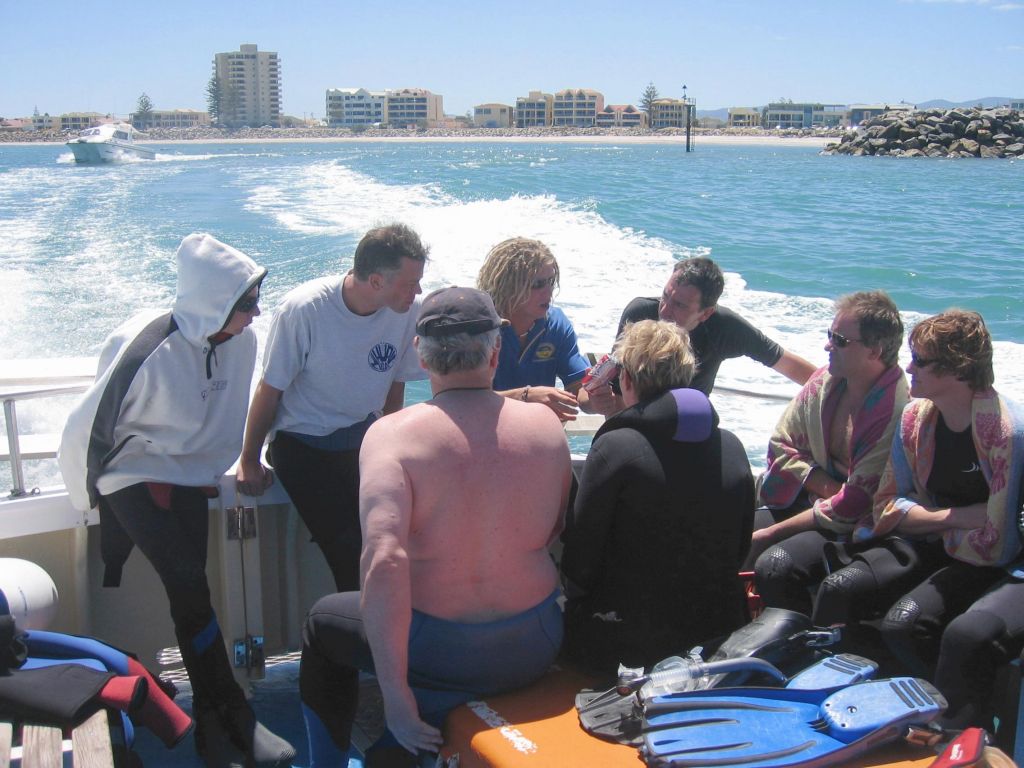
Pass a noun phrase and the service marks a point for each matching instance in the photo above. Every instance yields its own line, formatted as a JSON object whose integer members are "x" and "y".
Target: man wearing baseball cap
{"x": 458, "y": 595}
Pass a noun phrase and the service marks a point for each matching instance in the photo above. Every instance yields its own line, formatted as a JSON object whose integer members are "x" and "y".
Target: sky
{"x": 100, "y": 56}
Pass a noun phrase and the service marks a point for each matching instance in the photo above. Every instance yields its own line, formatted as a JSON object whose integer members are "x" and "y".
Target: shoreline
{"x": 718, "y": 140}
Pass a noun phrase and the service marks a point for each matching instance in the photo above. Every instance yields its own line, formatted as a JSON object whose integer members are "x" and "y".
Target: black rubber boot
{"x": 213, "y": 744}
{"x": 262, "y": 748}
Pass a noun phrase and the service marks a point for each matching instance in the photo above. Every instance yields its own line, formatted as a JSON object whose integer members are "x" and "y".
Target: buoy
{"x": 27, "y": 593}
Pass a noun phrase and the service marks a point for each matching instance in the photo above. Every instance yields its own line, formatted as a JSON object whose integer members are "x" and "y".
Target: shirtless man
{"x": 827, "y": 453}
{"x": 455, "y": 548}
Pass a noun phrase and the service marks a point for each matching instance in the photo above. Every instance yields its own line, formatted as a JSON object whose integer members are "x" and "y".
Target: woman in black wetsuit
{"x": 663, "y": 516}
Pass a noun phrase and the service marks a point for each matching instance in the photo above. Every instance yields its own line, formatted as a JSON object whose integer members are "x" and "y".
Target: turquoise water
{"x": 84, "y": 247}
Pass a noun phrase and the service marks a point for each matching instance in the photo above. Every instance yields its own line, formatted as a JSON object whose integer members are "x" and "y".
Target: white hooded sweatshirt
{"x": 168, "y": 404}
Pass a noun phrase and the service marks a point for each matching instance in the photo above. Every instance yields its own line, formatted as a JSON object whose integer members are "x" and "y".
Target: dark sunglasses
{"x": 248, "y": 304}
{"x": 838, "y": 340}
{"x": 542, "y": 282}
{"x": 919, "y": 362}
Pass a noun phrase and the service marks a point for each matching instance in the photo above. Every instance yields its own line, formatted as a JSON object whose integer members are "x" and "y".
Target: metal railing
{"x": 11, "y": 398}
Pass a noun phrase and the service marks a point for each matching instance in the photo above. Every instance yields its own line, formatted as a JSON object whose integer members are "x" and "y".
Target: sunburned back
{"x": 488, "y": 478}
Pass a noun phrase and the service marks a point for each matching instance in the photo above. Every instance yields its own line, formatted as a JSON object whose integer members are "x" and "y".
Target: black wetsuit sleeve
{"x": 736, "y": 337}
{"x": 588, "y": 531}
{"x": 640, "y": 308}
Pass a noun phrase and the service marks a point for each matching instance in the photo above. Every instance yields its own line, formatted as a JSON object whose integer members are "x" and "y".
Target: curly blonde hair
{"x": 956, "y": 342}
{"x": 656, "y": 355}
{"x": 510, "y": 268}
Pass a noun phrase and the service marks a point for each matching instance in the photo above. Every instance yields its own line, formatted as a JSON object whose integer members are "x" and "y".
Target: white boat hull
{"x": 111, "y": 151}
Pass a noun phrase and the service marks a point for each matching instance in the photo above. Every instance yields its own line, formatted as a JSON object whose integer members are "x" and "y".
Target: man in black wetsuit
{"x": 690, "y": 300}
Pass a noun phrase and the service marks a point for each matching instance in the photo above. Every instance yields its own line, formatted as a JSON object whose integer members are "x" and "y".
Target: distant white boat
{"x": 108, "y": 143}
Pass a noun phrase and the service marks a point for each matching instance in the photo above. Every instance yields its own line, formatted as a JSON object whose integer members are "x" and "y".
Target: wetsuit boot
{"x": 230, "y": 736}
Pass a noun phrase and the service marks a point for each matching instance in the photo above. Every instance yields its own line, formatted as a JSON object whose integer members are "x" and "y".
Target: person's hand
{"x": 759, "y": 542}
{"x": 604, "y": 401}
{"x": 563, "y": 403}
{"x": 403, "y": 720}
{"x": 252, "y": 478}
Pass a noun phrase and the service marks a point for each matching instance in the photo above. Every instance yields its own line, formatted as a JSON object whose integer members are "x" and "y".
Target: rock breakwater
{"x": 937, "y": 133}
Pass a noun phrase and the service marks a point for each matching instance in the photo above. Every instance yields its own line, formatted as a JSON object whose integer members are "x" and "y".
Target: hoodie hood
{"x": 681, "y": 415}
{"x": 212, "y": 277}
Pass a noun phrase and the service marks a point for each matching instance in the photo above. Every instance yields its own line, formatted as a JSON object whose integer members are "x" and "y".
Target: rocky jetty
{"x": 937, "y": 133}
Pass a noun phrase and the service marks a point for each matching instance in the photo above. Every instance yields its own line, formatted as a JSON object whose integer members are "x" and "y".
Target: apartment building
{"x": 668, "y": 113}
{"x": 1017, "y": 104}
{"x": 493, "y": 116}
{"x": 173, "y": 118}
{"x": 250, "y": 86}
{"x": 412, "y": 106}
{"x": 803, "y": 115}
{"x": 577, "y": 107}
{"x": 534, "y": 110}
{"x": 744, "y": 117}
{"x": 348, "y": 107}
{"x": 78, "y": 121}
{"x": 621, "y": 116}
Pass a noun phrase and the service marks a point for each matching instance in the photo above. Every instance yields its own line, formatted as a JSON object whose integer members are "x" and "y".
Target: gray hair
{"x": 458, "y": 352}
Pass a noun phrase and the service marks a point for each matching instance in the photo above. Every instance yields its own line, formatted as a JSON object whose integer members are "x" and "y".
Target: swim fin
{"x": 783, "y": 728}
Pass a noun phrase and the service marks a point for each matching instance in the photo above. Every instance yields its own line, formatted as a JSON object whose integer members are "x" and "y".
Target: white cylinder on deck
{"x": 27, "y": 593}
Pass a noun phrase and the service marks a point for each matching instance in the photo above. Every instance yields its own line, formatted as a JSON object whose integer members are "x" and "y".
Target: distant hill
{"x": 719, "y": 114}
{"x": 986, "y": 102}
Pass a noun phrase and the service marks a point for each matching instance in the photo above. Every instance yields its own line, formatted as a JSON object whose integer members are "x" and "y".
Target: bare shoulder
{"x": 537, "y": 418}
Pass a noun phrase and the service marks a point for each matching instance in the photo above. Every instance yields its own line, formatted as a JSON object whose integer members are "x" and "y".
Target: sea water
{"x": 84, "y": 247}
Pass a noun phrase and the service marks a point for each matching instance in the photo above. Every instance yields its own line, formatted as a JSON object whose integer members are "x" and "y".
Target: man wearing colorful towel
{"x": 459, "y": 594}
{"x": 690, "y": 300}
{"x": 948, "y": 501}
{"x": 829, "y": 449}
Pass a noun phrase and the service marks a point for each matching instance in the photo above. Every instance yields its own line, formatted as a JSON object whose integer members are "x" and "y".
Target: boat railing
{"x": 30, "y": 380}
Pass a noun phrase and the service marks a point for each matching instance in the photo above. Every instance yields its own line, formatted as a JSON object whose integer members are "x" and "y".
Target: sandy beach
{"x": 697, "y": 140}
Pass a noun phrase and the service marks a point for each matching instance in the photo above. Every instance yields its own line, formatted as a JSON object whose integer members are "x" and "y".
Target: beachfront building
{"x": 412, "y": 107}
{"x": 621, "y": 116}
{"x": 174, "y": 118}
{"x": 576, "y": 107}
{"x": 250, "y": 82}
{"x": 45, "y": 122}
{"x": 493, "y": 116}
{"x": 668, "y": 113}
{"x": 861, "y": 112}
{"x": 786, "y": 114}
{"x": 350, "y": 107}
{"x": 744, "y": 117}
{"x": 79, "y": 121}
{"x": 534, "y": 111}
{"x": 1017, "y": 104}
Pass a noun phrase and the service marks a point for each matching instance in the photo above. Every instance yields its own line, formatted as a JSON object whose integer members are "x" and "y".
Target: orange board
{"x": 537, "y": 727}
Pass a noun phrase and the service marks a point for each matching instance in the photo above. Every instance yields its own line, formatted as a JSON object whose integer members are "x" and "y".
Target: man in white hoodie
{"x": 148, "y": 443}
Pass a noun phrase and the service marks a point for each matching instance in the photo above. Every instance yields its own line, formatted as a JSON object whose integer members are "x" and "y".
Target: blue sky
{"x": 97, "y": 55}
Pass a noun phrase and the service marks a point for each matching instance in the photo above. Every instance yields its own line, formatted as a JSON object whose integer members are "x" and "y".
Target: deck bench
{"x": 43, "y": 746}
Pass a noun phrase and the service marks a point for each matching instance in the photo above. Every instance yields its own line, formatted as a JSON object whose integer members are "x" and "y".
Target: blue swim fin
{"x": 783, "y": 728}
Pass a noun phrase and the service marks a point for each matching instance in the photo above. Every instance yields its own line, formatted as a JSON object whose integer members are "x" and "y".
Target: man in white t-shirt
{"x": 338, "y": 356}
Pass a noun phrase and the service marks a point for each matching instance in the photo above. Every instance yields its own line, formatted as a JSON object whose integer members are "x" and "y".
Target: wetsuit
{"x": 449, "y": 662}
{"x": 722, "y": 336}
{"x": 661, "y": 525}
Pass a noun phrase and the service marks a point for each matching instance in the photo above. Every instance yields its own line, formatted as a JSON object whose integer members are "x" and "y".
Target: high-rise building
{"x": 250, "y": 86}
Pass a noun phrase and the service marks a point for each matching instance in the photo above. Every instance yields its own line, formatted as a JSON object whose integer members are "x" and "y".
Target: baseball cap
{"x": 452, "y": 310}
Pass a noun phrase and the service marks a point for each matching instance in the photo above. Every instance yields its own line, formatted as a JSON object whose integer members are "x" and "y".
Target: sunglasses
{"x": 838, "y": 340}
{"x": 248, "y": 304}
{"x": 542, "y": 282}
{"x": 919, "y": 362}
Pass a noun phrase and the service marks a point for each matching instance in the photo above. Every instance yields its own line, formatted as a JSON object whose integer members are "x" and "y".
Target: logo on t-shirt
{"x": 544, "y": 351}
{"x": 382, "y": 356}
